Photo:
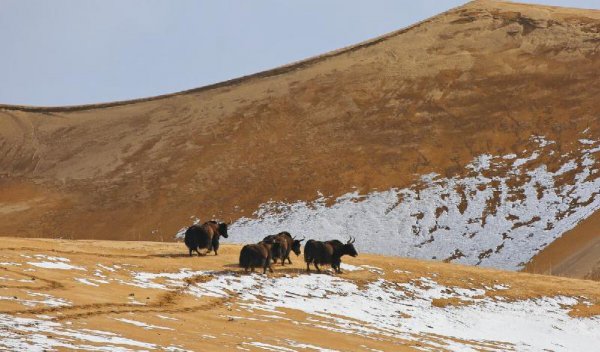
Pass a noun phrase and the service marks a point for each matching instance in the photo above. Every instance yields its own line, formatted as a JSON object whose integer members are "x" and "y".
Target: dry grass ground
{"x": 180, "y": 319}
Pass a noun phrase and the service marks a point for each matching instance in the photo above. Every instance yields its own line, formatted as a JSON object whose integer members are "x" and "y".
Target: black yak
{"x": 205, "y": 236}
{"x": 257, "y": 255}
{"x": 283, "y": 244}
{"x": 278, "y": 246}
{"x": 328, "y": 252}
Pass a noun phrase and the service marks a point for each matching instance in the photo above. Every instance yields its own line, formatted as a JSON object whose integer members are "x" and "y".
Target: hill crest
{"x": 482, "y": 79}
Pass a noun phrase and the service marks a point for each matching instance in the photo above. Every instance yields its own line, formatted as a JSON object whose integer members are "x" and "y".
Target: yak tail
{"x": 308, "y": 251}
{"x": 308, "y": 258}
{"x": 244, "y": 258}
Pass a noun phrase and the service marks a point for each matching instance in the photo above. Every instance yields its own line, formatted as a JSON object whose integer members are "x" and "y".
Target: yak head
{"x": 349, "y": 249}
{"x": 296, "y": 245}
{"x": 223, "y": 229}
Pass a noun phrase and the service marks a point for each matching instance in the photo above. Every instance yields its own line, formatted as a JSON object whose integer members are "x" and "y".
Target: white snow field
{"x": 404, "y": 310}
{"x": 379, "y": 309}
{"x": 500, "y": 215}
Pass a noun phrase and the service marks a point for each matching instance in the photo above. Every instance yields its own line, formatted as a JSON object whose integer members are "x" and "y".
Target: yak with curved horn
{"x": 328, "y": 253}
{"x": 283, "y": 244}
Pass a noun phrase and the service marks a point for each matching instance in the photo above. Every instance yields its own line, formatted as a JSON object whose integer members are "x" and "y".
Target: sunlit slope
{"x": 515, "y": 85}
{"x": 132, "y": 296}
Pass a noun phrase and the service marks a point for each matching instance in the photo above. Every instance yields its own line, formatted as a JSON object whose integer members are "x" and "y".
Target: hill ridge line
{"x": 242, "y": 79}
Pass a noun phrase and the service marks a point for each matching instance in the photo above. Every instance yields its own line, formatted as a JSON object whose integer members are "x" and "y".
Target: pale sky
{"x": 66, "y": 52}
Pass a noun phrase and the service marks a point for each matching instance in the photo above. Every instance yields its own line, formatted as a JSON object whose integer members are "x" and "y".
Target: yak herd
{"x": 271, "y": 249}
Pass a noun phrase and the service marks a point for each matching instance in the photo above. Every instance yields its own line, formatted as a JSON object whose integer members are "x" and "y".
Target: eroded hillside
{"x": 482, "y": 122}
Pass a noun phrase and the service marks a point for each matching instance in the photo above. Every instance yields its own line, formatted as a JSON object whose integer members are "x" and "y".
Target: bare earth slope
{"x": 134, "y": 296}
{"x": 575, "y": 254}
{"x": 496, "y": 102}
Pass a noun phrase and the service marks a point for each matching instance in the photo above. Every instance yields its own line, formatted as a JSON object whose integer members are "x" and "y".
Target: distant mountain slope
{"x": 497, "y": 100}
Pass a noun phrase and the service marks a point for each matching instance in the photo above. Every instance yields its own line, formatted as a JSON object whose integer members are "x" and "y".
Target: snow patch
{"x": 86, "y": 282}
{"x": 166, "y": 317}
{"x": 406, "y": 311}
{"x": 497, "y": 221}
{"x": 36, "y": 335}
{"x": 142, "y": 324}
{"x": 45, "y": 300}
{"x": 56, "y": 265}
{"x": 348, "y": 267}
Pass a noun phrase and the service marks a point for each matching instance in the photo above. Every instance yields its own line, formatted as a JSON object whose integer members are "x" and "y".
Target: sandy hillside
{"x": 474, "y": 134}
{"x": 123, "y": 296}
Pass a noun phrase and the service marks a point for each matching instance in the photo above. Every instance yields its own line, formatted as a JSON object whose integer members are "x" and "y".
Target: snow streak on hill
{"x": 505, "y": 210}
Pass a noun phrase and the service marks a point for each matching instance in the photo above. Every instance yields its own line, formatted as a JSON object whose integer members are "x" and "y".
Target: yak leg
{"x": 267, "y": 264}
{"x": 316, "y": 266}
{"x": 191, "y": 252}
{"x": 336, "y": 266}
{"x": 308, "y": 267}
{"x": 209, "y": 246}
{"x": 288, "y": 258}
{"x": 252, "y": 268}
{"x": 216, "y": 247}
{"x": 197, "y": 251}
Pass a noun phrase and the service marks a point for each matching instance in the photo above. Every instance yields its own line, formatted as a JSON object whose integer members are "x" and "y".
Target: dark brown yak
{"x": 283, "y": 244}
{"x": 257, "y": 255}
{"x": 328, "y": 252}
{"x": 205, "y": 236}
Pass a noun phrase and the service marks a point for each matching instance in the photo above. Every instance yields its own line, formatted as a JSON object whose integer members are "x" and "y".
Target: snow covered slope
{"x": 500, "y": 214}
